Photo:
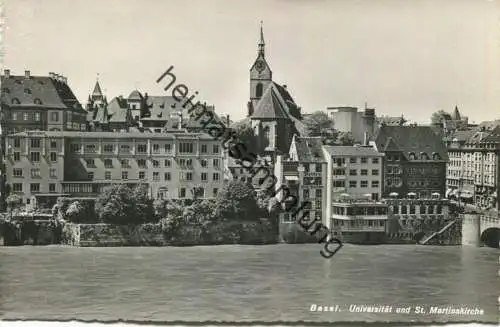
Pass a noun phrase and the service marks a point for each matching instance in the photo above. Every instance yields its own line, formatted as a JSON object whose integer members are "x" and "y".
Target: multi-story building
{"x": 414, "y": 162}
{"x": 39, "y": 103}
{"x": 473, "y": 171}
{"x": 353, "y": 170}
{"x": 44, "y": 165}
{"x": 360, "y": 124}
{"x": 303, "y": 172}
{"x": 358, "y": 221}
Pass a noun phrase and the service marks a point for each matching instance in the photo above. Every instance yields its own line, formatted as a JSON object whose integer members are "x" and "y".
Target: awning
{"x": 292, "y": 178}
{"x": 393, "y": 194}
{"x": 344, "y": 195}
{"x": 412, "y": 194}
{"x": 466, "y": 195}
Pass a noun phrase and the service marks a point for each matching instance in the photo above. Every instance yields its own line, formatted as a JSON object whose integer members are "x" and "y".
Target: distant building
{"x": 39, "y": 103}
{"x": 414, "y": 162}
{"x": 474, "y": 168}
{"x": 360, "y": 124}
{"x": 42, "y": 166}
{"x": 455, "y": 121}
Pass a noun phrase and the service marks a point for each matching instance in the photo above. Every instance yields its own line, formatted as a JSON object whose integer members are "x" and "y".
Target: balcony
{"x": 92, "y": 188}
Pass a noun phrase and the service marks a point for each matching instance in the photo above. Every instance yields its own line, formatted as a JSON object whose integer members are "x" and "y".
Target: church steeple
{"x": 260, "y": 74}
{"x": 262, "y": 44}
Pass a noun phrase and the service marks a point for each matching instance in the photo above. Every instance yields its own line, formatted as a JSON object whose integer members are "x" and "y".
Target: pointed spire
{"x": 97, "y": 90}
{"x": 261, "y": 42}
{"x": 456, "y": 114}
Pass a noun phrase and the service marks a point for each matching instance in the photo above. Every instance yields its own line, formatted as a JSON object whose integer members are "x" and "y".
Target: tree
{"x": 236, "y": 201}
{"x": 75, "y": 212}
{"x": 438, "y": 117}
{"x": 121, "y": 204}
{"x": 13, "y": 201}
{"x": 244, "y": 134}
{"x": 345, "y": 138}
{"x": 319, "y": 124}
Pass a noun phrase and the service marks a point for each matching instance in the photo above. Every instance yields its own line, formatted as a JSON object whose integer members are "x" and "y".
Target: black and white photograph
{"x": 251, "y": 162}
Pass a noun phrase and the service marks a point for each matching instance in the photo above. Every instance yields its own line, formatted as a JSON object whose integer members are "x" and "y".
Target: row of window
{"x": 412, "y": 210}
{"x": 34, "y": 172}
{"x": 35, "y": 143}
{"x": 34, "y": 187}
{"x": 142, "y": 163}
{"x": 354, "y": 172}
{"x": 35, "y": 156}
{"x": 354, "y": 184}
{"x": 353, "y": 160}
{"x": 167, "y": 176}
{"x": 184, "y": 147}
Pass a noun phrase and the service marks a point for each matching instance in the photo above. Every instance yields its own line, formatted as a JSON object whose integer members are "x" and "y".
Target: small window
{"x": 15, "y": 101}
{"x": 37, "y": 101}
{"x": 27, "y": 91}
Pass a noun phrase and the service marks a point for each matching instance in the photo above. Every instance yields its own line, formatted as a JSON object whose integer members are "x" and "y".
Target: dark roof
{"x": 411, "y": 139}
{"x": 118, "y": 111}
{"x": 308, "y": 148}
{"x": 37, "y": 92}
{"x": 343, "y": 150}
{"x": 114, "y": 135}
{"x": 462, "y": 135}
{"x": 160, "y": 107}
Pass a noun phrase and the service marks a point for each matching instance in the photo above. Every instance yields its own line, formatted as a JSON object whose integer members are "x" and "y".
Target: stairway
{"x": 451, "y": 223}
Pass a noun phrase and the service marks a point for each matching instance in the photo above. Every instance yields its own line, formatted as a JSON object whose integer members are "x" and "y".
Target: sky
{"x": 399, "y": 56}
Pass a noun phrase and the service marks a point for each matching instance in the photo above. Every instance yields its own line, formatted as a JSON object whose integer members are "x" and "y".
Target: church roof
{"x": 271, "y": 105}
{"x": 411, "y": 139}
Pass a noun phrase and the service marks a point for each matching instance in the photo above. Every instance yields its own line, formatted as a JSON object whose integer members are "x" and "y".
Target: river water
{"x": 246, "y": 283}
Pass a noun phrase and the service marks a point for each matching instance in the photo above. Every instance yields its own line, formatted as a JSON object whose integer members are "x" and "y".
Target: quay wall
{"x": 31, "y": 232}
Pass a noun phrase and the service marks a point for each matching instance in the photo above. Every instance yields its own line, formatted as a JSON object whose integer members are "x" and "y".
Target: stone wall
{"x": 31, "y": 232}
{"x": 155, "y": 235}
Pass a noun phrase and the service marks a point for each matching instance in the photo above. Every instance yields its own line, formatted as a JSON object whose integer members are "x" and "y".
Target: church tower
{"x": 260, "y": 75}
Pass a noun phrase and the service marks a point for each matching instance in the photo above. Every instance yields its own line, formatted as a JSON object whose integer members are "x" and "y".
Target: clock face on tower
{"x": 259, "y": 65}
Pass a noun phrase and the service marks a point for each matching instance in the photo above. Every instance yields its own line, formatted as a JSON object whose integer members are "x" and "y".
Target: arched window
{"x": 435, "y": 156}
{"x": 412, "y": 156}
{"x": 37, "y": 101}
{"x": 16, "y": 101}
{"x": 258, "y": 90}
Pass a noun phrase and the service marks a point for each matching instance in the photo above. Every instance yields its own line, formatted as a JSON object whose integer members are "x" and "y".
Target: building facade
{"x": 474, "y": 169}
{"x": 52, "y": 164}
{"x": 355, "y": 171}
{"x": 415, "y": 159}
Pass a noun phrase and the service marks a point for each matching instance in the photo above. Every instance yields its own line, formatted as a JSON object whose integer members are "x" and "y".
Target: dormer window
{"x": 424, "y": 156}
{"x": 27, "y": 91}
{"x": 15, "y": 101}
{"x": 436, "y": 156}
{"x": 37, "y": 101}
{"x": 412, "y": 156}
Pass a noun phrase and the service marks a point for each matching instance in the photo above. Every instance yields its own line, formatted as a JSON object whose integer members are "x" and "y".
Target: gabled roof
{"x": 412, "y": 139}
{"x": 391, "y": 146}
{"x": 118, "y": 111}
{"x": 309, "y": 149}
{"x": 37, "y": 92}
{"x": 160, "y": 107}
{"x": 135, "y": 95}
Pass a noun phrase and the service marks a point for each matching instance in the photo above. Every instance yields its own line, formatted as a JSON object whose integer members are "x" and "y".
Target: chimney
{"x": 228, "y": 121}
{"x": 6, "y": 73}
{"x": 64, "y": 79}
{"x": 27, "y": 74}
{"x": 180, "y": 121}
{"x": 365, "y": 139}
